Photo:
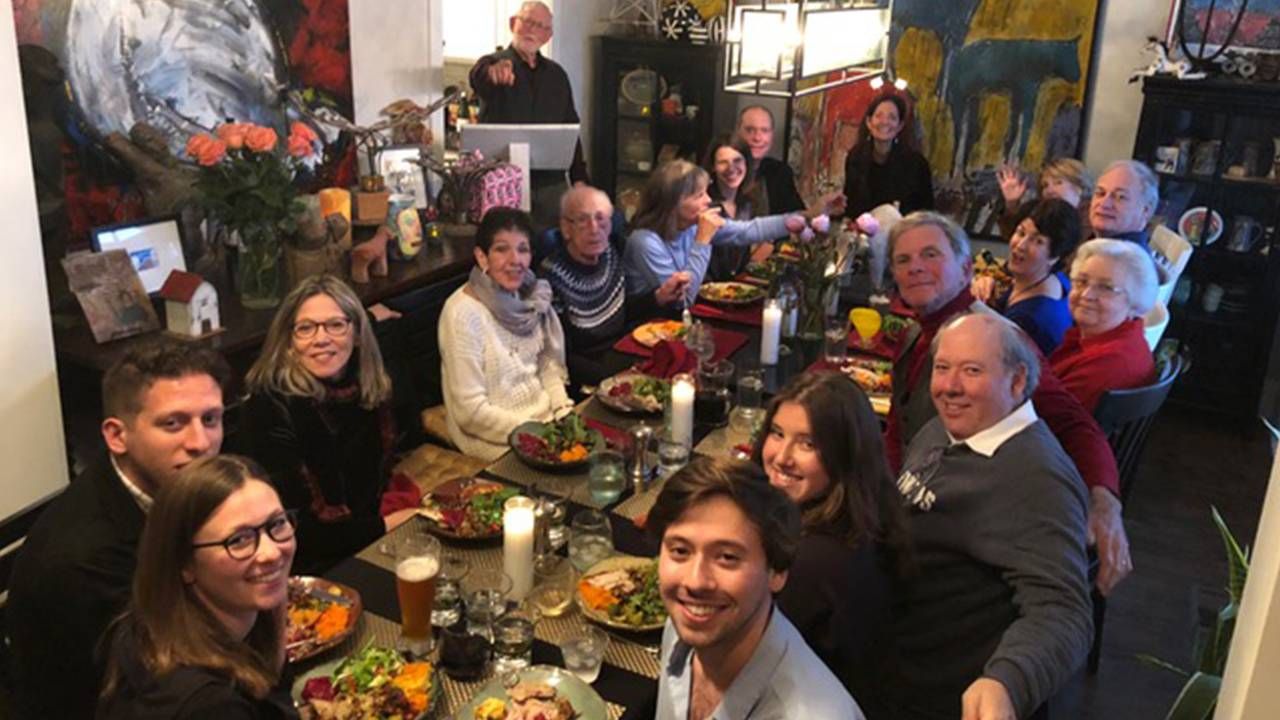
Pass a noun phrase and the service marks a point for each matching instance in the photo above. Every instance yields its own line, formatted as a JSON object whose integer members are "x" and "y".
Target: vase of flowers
{"x": 246, "y": 182}
{"x": 823, "y": 253}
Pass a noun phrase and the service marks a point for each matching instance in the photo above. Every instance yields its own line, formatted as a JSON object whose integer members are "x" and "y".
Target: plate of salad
{"x": 634, "y": 392}
{"x": 372, "y": 683}
{"x": 622, "y": 592}
{"x": 558, "y": 446}
{"x": 466, "y": 508}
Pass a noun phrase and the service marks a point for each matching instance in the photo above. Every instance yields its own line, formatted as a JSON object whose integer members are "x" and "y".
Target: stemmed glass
{"x": 701, "y": 343}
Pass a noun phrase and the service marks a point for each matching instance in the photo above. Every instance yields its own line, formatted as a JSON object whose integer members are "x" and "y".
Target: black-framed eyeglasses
{"x": 333, "y": 327}
{"x": 243, "y": 543}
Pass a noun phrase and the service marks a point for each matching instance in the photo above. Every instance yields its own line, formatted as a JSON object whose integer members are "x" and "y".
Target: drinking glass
{"x": 486, "y": 591}
{"x": 552, "y": 509}
{"x": 552, "y": 585}
{"x": 673, "y": 454}
{"x": 607, "y": 477}
{"x": 711, "y": 401}
{"x": 836, "y": 334}
{"x": 749, "y": 411}
{"x": 866, "y": 321}
{"x": 448, "y": 605}
{"x": 583, "y": 653}
{"x": 417, "y": 564}
{"x": 590, "y": 539}
{"x": 513, "y": 638}
{"x": 700, "y": 342}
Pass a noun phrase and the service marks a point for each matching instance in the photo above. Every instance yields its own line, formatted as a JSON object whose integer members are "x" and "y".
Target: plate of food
{"x": 321, "y": 614}
{"x": 652, "y": 333}
{"x": 466, "y": 508}
{"x": 875, "y": 377}
{"x": 622, "y": 592}
{"x": 1192, "y": 226}
{"x": 538, "y": 691}
{"x": 372, "y": 683}
{"x": 634, "y": 392}
{"x": 555, "y": 446}
{"x": 731, "y": 293}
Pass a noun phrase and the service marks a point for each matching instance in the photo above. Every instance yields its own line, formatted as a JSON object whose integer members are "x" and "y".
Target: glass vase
{"x": 259, "y": 272}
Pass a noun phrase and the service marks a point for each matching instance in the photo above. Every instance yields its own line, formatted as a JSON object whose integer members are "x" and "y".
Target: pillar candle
{"x": 770, "y": 330}
{"x": 681, "y": 421}
{"x": 517, "y": 544}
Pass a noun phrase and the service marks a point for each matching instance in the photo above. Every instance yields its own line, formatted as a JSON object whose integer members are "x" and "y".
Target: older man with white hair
{"x": 1124, "y": 200}
{"x": 997, "y": 616}
{"x": 932, "y": 266}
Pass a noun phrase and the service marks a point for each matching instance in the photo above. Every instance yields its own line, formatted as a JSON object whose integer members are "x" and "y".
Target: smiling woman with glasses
{"x": 203, "y": 635}
{"x": 1113, "y": 285}
{"x": 319, "y": 417}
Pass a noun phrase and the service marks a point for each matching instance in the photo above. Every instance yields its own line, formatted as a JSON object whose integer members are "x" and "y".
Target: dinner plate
{"x": 455, "y": 486}
{"x": 720, "y": 293}
{"x": 620, "y": 404}
{"x": 617, "y": 562}
{"x": 434, "y": 705}
{"x": 330, "y": 592}
{"x": 586, "y": 702}
{"x": 652, "y": 333}
{"x": 533, "y": 427}
{"x": 1191, "y": 226}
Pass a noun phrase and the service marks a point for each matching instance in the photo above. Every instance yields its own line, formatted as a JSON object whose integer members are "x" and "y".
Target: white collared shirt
{"x": 987, "y": 442}
{"x": 139, "y": 495}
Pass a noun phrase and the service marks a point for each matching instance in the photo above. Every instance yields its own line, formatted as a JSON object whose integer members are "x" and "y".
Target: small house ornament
{"x": 190, "y": 305}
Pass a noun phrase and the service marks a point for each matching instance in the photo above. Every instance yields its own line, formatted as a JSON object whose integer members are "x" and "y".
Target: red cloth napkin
{"x": 667, "y": 359}
{"x": 741, "y": 314}
{"x": 882, "y": 345}
{"x": 401, "y": 493}
{"x": 727, "y": 342}
{"x": 617, "y": 439}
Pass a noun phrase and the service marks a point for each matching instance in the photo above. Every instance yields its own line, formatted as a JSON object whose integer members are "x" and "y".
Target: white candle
{"x": 770, "y": 330}
{"x": 682, "y": 393}
{"x": 517, "y": 544}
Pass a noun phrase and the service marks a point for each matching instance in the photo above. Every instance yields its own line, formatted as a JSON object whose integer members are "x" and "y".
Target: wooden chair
{"x": 1126, "y": 417}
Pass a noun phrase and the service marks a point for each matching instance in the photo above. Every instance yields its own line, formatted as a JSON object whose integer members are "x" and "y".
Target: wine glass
{"x": 700, "y": 343}
{"x": 866, "y": 321}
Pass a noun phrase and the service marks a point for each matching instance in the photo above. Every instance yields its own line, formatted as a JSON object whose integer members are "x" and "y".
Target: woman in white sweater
{"x": 501, "y": 342}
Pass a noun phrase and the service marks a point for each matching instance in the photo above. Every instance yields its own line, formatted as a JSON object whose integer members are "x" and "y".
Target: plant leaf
{"x": 1198, "y": 698}
{"x": 1237, "y": 559}
{"x": 1156, "y": 662}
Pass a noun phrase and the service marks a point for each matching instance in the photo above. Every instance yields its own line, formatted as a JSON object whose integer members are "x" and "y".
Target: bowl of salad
{"x": 634, "y": 392}
{"x": 560, "y": 446}
{"x": 621, "y": 592}
{"x": 466, "y": 508}
{"x": 372, "y": 683}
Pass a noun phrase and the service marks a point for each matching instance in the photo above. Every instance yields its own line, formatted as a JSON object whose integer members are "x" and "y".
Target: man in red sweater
{"x": 932, "y": 265}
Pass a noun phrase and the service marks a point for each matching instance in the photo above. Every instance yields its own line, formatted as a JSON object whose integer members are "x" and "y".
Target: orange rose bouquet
{"x": 246, "y": 182}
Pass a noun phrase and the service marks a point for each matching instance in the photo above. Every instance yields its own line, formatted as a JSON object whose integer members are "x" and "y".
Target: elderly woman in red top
{"x": 1113, "y": 285}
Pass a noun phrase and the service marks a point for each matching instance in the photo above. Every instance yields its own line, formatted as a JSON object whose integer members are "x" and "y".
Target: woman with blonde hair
{"x": 1064, "y": 179}
{"x": 203, "y": 635}
{"x": 319, "y": 418}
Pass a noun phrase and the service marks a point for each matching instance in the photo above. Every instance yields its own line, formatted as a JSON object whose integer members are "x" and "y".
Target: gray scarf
{"x": 521, "y": 313}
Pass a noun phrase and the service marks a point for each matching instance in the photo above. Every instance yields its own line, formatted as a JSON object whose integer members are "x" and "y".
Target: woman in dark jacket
{"x": 882, "y": 167}
{"x": 821, "y": 446}
{"x": 319, "y": 418}
{"x": 203, "y": 636}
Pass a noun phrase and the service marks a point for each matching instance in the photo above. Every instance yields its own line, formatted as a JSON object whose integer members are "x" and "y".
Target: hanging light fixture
{"x": 773, "y": 46}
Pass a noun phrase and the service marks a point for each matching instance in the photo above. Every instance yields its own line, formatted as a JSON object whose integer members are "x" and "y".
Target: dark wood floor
{"x": 1190, "y": 464}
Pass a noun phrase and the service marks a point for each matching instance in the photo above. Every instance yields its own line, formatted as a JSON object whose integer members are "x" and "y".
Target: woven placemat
{"x": 570, "y": 484}
{"x": 639, "y": 505}
{"x": 593, "y": 409}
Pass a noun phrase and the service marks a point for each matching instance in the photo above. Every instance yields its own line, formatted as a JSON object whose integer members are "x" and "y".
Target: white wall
{"x": 1115, "y": 104}
{"x": 31, "y": 440}
{"x": 576, "y": 21}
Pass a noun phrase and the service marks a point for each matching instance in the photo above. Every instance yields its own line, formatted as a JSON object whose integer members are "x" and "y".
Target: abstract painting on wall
{"x": 97, "y": 67}
{"x": 1256, "y": 25}
{"x": 994, "y": 82}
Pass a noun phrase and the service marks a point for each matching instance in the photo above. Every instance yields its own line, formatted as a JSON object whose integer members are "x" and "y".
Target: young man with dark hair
{"x": 162, "y": 406}
{"x": 727, "y": 539}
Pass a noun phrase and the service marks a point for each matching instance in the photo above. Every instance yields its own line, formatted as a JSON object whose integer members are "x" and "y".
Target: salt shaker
{"x": 640, "y": 470}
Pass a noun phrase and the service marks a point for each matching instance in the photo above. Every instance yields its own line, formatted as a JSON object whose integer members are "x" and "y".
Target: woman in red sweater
{"x": 1113, "y": 285}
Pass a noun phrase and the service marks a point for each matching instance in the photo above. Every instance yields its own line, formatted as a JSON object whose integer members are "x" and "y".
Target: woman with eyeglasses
{"x": 821, "y": 445}
{"x": 1113, "y": 286}
{"x": 501, "y": 342}
{"x": 203, "y": 635}
{"x": 319, "y": 418}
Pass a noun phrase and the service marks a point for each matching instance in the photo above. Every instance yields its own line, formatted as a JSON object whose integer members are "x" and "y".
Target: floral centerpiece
{"x": 246, "y": 182}
{"x": 822, "y": 252}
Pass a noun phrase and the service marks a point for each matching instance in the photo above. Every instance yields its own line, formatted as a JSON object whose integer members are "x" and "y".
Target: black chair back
{"x": 1126, "y": 416}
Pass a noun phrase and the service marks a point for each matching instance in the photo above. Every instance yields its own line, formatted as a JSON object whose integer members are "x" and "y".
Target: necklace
{"x": 1016, "y": 295}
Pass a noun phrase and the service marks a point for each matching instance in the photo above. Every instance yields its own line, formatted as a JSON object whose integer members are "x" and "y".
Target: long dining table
{"x": 629, "y": 676}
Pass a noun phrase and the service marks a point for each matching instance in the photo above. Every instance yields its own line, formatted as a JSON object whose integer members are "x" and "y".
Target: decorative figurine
{"x": 190, "y": 305}
{"x": 405, "y": 226}
{"x": 370, "y": 257}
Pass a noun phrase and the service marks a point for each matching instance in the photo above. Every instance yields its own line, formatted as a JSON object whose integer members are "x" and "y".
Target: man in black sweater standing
{"x": 163, "y": 409}
{"x": 755, "y": 127}
{"x": 997, "y": 617}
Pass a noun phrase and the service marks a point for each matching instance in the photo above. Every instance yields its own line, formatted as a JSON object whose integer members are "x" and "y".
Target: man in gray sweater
{"x": 997, "y": 616}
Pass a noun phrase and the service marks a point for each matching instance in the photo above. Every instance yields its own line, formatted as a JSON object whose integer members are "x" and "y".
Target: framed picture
{"x": 397, "y": 167}
{"x": 154, "y": 246}
{"x": 1257, "y": 31}
{"x": 110, "y": 293}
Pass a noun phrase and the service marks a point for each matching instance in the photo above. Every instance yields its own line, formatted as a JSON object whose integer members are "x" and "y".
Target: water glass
{"x": 590, "y": 539}
{"x": 552, "y": 590}
{"x": 700, "y": 342}
{"x": 448, "y": 606}
{"x": 673, "y": 454}
{"x": 552, "y": 509}
{"x": 485, "y": 591}
{"x": 607, "y": 477}
{"x": 749, "y": 412}
{"x": 711, "y": 403}
{"x": 513, "y": 638}
{"x": 583, "y": 653}
{"x": 836, "y": 334}
{"x": 417, "y": 565}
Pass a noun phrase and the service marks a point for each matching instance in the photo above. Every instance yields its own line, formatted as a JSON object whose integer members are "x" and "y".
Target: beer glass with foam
{"x": 417, "y": 564}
